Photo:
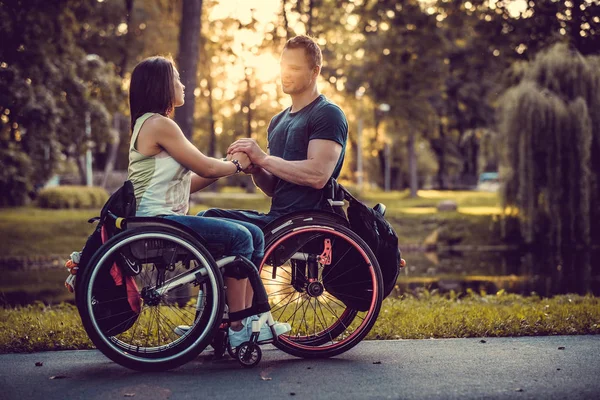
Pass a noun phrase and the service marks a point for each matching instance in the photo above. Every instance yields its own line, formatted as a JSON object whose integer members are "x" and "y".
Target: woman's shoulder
{"x": 159, "y": 123}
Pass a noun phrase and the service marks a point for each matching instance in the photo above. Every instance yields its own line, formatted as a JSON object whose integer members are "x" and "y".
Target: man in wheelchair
{"x": 306, "y": 142}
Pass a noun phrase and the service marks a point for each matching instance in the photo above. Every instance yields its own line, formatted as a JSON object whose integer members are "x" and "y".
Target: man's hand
{"x": 251, "y": 148}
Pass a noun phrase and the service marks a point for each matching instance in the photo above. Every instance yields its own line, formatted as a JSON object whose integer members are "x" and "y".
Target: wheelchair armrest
{"x": 334, "y": 193}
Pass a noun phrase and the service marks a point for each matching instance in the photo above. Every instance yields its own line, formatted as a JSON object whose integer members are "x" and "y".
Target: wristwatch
{"x": 237, "y": 166}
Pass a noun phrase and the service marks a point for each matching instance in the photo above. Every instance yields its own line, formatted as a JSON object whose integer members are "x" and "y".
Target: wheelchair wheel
{"x": 169, "y": 280}
{"x": 325, "y": 282}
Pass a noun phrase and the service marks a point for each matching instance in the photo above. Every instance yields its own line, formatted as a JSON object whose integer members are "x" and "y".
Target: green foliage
{"x": 47, "y": 85}
{"x": 38, "y": 327}
{"x": 430, "y": 315}
{"x": 15, "y": 177}
{"x": 427, "y": 315}
{"x": 551, "y": 128}
{"x": 72, "y": 197}
{"x": 29, "y": 231}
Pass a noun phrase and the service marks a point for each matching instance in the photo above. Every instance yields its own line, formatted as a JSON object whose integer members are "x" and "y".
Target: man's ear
{"x": 316, "y": 71}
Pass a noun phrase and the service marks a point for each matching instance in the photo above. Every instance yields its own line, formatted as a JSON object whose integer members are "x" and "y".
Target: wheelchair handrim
{"x": 111, "y": 341}
{"x": 366, "y": 320}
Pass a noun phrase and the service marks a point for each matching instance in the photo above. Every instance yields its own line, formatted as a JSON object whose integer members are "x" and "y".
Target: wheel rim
{"x": 333, "y": 323}
{"x": 151, "y": 337}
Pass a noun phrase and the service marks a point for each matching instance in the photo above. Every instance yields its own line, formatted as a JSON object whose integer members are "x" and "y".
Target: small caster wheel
{"x": 249, "y": 354}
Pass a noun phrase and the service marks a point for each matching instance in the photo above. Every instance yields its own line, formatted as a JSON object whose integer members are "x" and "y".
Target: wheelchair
{"x": 317, "y": 275}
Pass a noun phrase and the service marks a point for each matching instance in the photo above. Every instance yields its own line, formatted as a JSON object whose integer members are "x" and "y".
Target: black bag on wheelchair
{"x": 119, "y": 303}
{"x": 372, "y": 227}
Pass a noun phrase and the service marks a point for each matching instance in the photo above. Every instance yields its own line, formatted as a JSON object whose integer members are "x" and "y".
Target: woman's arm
{"x": 167, "y": 134}
{"x": 199, "y": 183}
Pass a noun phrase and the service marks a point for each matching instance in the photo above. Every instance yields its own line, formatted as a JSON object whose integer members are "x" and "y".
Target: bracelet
{"x": 237, "y": 166}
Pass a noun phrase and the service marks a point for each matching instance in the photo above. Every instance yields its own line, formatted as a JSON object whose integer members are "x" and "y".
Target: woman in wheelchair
{"x": 165, "y": 167}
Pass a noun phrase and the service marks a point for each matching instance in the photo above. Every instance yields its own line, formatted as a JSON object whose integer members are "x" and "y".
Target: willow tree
{"x": 551, "y": 124}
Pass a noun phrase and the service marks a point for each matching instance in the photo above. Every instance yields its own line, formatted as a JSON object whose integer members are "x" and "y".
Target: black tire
{"x": 349, "y": 325}
{"x": 150, "y": 344}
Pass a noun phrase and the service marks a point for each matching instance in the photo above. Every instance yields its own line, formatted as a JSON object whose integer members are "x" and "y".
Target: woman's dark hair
{"x": 151, "y": 88}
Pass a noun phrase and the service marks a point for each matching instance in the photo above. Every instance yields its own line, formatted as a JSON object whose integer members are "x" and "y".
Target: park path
{"x": 558, "y": 367}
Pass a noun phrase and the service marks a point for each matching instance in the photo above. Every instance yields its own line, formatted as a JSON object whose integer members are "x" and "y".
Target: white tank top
{"x": 161, "y": 184}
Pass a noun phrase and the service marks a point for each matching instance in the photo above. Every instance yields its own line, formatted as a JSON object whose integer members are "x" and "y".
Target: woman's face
{"x": 179, "y": 88}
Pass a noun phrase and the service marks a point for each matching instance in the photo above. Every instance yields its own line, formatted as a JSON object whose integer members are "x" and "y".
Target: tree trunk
{"x": 440, "y": 154}
{"x": 248, "y": 101}
{"x": 113, "y": 148}
{"x": 412, "y": 163}
{"x": 187, "y": 60}
{"x": 310, "y": 17}
{"x": 128, "y": 36}
{"x": 286, "y": 24}
{"x": 212, "y": 142}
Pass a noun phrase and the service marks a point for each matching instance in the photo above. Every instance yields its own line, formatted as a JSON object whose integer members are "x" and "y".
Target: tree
{"x": 550, "y": 124}
{"x": 402, "y": 66}
{"x": 187, "y": 61}
{"x": 47, "y": 84}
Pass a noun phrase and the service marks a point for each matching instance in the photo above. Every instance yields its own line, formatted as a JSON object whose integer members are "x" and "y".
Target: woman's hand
{"x": 242, "y": 159}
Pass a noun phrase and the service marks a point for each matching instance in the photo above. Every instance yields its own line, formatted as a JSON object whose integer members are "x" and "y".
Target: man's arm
{"x": 315, "y": 171}
{"x": 264, "y": 180}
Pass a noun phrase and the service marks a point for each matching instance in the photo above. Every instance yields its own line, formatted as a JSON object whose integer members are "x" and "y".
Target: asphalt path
{"x": 557, "y": 367}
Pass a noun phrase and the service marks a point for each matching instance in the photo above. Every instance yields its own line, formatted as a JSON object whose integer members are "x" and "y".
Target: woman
{"x": 165, "y": 167}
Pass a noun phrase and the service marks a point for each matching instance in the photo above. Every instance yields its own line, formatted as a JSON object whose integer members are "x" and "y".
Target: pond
{"x": 480, "y": 271}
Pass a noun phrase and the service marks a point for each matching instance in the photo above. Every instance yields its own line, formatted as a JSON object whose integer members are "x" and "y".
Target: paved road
{"x": 560, "y": 367}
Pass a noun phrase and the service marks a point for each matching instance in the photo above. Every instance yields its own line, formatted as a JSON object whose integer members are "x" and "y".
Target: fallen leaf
{"x": 376, "y": 362}
{"x": 39, "y": 364}
{"x": 58, "y": 377}
{"x": 561, "y": 348}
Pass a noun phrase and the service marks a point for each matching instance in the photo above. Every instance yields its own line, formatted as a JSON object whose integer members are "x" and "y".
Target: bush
{"x": 72, "y": 197}
{"x": 15, "y": 177}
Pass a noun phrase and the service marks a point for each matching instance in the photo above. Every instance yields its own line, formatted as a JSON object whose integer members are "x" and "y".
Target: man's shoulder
{"x": 329, "y": 109}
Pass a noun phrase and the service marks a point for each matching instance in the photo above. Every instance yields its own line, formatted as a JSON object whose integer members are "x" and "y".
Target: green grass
{"x": 28, "y": 231}
{"x": 40, "y": 328}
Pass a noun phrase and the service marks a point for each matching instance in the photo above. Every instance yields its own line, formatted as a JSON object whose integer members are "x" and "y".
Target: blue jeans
{"x": 241, "y": 216}
{"x": 238, "y": 238}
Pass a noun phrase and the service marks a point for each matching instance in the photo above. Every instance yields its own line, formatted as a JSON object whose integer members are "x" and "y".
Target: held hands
{"x": 251, "y": 148}
{"x": 242, "y": 159}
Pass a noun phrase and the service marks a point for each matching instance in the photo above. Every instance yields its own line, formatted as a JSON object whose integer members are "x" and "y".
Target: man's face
{"x": 297, "y": 74}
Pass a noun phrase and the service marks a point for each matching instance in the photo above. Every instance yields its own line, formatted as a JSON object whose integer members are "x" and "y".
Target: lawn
{"x": 30, "y": 231}
{"x": 40, "y": 328}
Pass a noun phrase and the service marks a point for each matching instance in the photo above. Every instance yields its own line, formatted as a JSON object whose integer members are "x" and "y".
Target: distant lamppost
{"x": 359, "y": 156}
{"x": 387, "y": 153}
{"x": 89, "y": 177}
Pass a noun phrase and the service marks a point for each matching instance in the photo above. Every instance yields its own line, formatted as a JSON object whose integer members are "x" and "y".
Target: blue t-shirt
{"x": 288, "y": 137}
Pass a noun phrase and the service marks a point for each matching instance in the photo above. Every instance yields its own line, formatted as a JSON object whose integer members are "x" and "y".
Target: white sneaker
{"x": 243, "y": 335}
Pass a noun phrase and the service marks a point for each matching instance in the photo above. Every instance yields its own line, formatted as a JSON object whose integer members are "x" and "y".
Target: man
{"x": 306, "y": 142}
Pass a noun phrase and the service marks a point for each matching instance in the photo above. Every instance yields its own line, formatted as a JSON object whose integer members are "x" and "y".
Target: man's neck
{"x": 301, "y": 100}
